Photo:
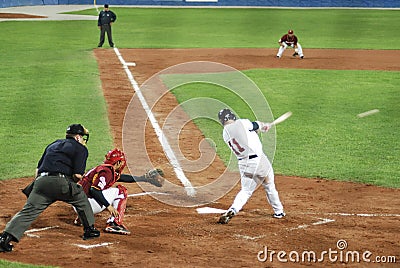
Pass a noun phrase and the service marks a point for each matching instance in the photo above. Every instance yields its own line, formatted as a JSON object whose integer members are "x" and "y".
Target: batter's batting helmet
{"x": 114, "y": 156}
{"x": 225, "y": 115}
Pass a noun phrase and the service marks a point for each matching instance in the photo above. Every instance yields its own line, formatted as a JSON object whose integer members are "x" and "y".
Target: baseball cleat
{"x": 226, "y": 217}
{"x": 114, "y": 228}
{"x": 278, "y": 57}
{"x": 301, "y": 57}
{"x": 5, "y": 240}
{"x": 279, "y": 215}
{"x": 295, "y": 54}
{"x": 90, "y": 233}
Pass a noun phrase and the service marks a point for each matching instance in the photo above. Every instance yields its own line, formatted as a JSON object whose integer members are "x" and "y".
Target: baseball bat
{"x": 281, "y": 118}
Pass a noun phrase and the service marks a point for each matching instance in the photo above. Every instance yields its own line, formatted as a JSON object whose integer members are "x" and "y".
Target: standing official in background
{"x": 106, "y": 19}
{"x": 62, "y": 164}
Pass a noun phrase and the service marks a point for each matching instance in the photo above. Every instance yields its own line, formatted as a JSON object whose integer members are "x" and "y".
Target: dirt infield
{"x": 322, "y": 215}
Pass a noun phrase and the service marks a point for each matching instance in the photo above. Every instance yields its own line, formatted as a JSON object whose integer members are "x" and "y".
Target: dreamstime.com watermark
{"x": 340, "y": 254}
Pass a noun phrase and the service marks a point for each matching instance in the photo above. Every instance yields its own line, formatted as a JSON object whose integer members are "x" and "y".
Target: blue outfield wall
{"x": 255, "y": 3}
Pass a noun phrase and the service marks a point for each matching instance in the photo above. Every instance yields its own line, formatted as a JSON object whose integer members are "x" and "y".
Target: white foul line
{"x": 160, "y": 134}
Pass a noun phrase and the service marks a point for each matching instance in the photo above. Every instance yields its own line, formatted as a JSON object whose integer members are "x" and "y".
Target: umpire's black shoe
{"x": 5, "y": 240}
{"x": 90, "y": 233}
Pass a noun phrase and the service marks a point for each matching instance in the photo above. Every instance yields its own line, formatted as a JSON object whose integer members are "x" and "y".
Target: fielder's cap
{"x": 106, "y": 5}
{"x": 290, "y": 32}
{"x": 77, "y": 129}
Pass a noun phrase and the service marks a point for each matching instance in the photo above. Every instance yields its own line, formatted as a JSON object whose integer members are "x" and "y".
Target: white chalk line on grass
{"x": 160, "y": 134}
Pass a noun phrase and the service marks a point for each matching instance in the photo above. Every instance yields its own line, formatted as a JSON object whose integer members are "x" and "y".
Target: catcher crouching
{"x": 97, "y": 184}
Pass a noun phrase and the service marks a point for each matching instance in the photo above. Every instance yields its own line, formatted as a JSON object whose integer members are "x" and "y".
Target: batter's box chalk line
{"x": 355, "y": 214}
{"x": 30, "y": 232}
{"x": 304, "y": 226}
{"x": 105, "y": 244}
{"x": 246, "y": 237}
{"x": 147, "y": 193}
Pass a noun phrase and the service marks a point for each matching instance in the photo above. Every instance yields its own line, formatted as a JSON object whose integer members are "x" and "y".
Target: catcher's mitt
{"x": 155, "y": 177}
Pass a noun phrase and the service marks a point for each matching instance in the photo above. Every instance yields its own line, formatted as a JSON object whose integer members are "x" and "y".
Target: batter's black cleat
{"x": 5, "y": 240}
{"x": 226, "y": 217}
{"x": 295, "y": 54}
{"x": 90, "y": 233}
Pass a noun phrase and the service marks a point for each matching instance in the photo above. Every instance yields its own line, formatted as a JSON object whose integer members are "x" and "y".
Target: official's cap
{"x": 77, "y": 129}
{"x": 105, "y": 5}
{"x": 290, "y": 32}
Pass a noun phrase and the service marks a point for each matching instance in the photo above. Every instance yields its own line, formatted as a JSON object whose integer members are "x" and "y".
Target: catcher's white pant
{"x": 255, "y": 172}
{"x": 299, "y": 50}
{"x": 112, "y": 195}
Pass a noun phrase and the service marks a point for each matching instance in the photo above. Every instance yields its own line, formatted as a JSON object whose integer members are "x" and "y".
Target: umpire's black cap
{"x": 105, "y": 5}
{"x": 77, "y": 129}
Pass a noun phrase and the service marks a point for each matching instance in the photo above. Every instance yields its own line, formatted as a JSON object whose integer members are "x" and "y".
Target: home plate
{"x": 208, "y": 210}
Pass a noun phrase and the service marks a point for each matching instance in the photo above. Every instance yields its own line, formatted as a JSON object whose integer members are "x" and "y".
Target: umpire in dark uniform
{"x": 106, "y": 19}
{"x": 62, "y": 164}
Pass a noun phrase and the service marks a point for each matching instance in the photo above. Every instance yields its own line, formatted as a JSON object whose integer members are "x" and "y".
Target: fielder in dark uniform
{"x": 106, "y": 19}
{"x": 290, "y": 40}
{"x": 62, "y": 164}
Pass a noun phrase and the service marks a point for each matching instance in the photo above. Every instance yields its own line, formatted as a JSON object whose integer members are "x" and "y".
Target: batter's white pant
{"x": 255, "y": 172}
{"x": 299, "y": 50}
{"x": 112, "y": 196}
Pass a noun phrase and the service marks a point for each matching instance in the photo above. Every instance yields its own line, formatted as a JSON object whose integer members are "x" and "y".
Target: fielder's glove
{"x": 155, "y": 177}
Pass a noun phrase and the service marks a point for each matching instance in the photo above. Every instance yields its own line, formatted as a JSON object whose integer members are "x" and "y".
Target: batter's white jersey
{"x": 242, "y": 141}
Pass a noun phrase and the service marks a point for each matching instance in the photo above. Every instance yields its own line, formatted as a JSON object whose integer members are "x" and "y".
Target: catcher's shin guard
{"x": 121, "y": 204}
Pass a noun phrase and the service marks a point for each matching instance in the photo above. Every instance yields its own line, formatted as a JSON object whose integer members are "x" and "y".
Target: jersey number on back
{"x": 235, "y": 146}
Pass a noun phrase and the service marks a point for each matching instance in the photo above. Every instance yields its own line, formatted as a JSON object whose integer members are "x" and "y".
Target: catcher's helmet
{"x": 225, "y": 115}
{"x": 78, "y": 129}
{"x": 115, "y": 155}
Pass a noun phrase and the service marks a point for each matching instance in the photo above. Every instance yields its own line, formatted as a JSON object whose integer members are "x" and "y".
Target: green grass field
{"x": 50, "y": 79}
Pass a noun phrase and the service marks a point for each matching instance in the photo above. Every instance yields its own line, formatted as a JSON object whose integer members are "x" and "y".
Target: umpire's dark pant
{"x": 103, "y": 29}
{"x": 47, "y": 190}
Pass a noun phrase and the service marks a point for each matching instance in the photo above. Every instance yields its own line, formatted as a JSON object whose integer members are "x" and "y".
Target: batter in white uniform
{"x": 241, "y": 135}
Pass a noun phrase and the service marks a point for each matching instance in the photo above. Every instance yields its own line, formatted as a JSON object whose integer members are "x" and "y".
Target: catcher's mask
{"x": 78, "y": 129}
{"x": 225, "y": 115}
{"x": 115, "y": 155}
